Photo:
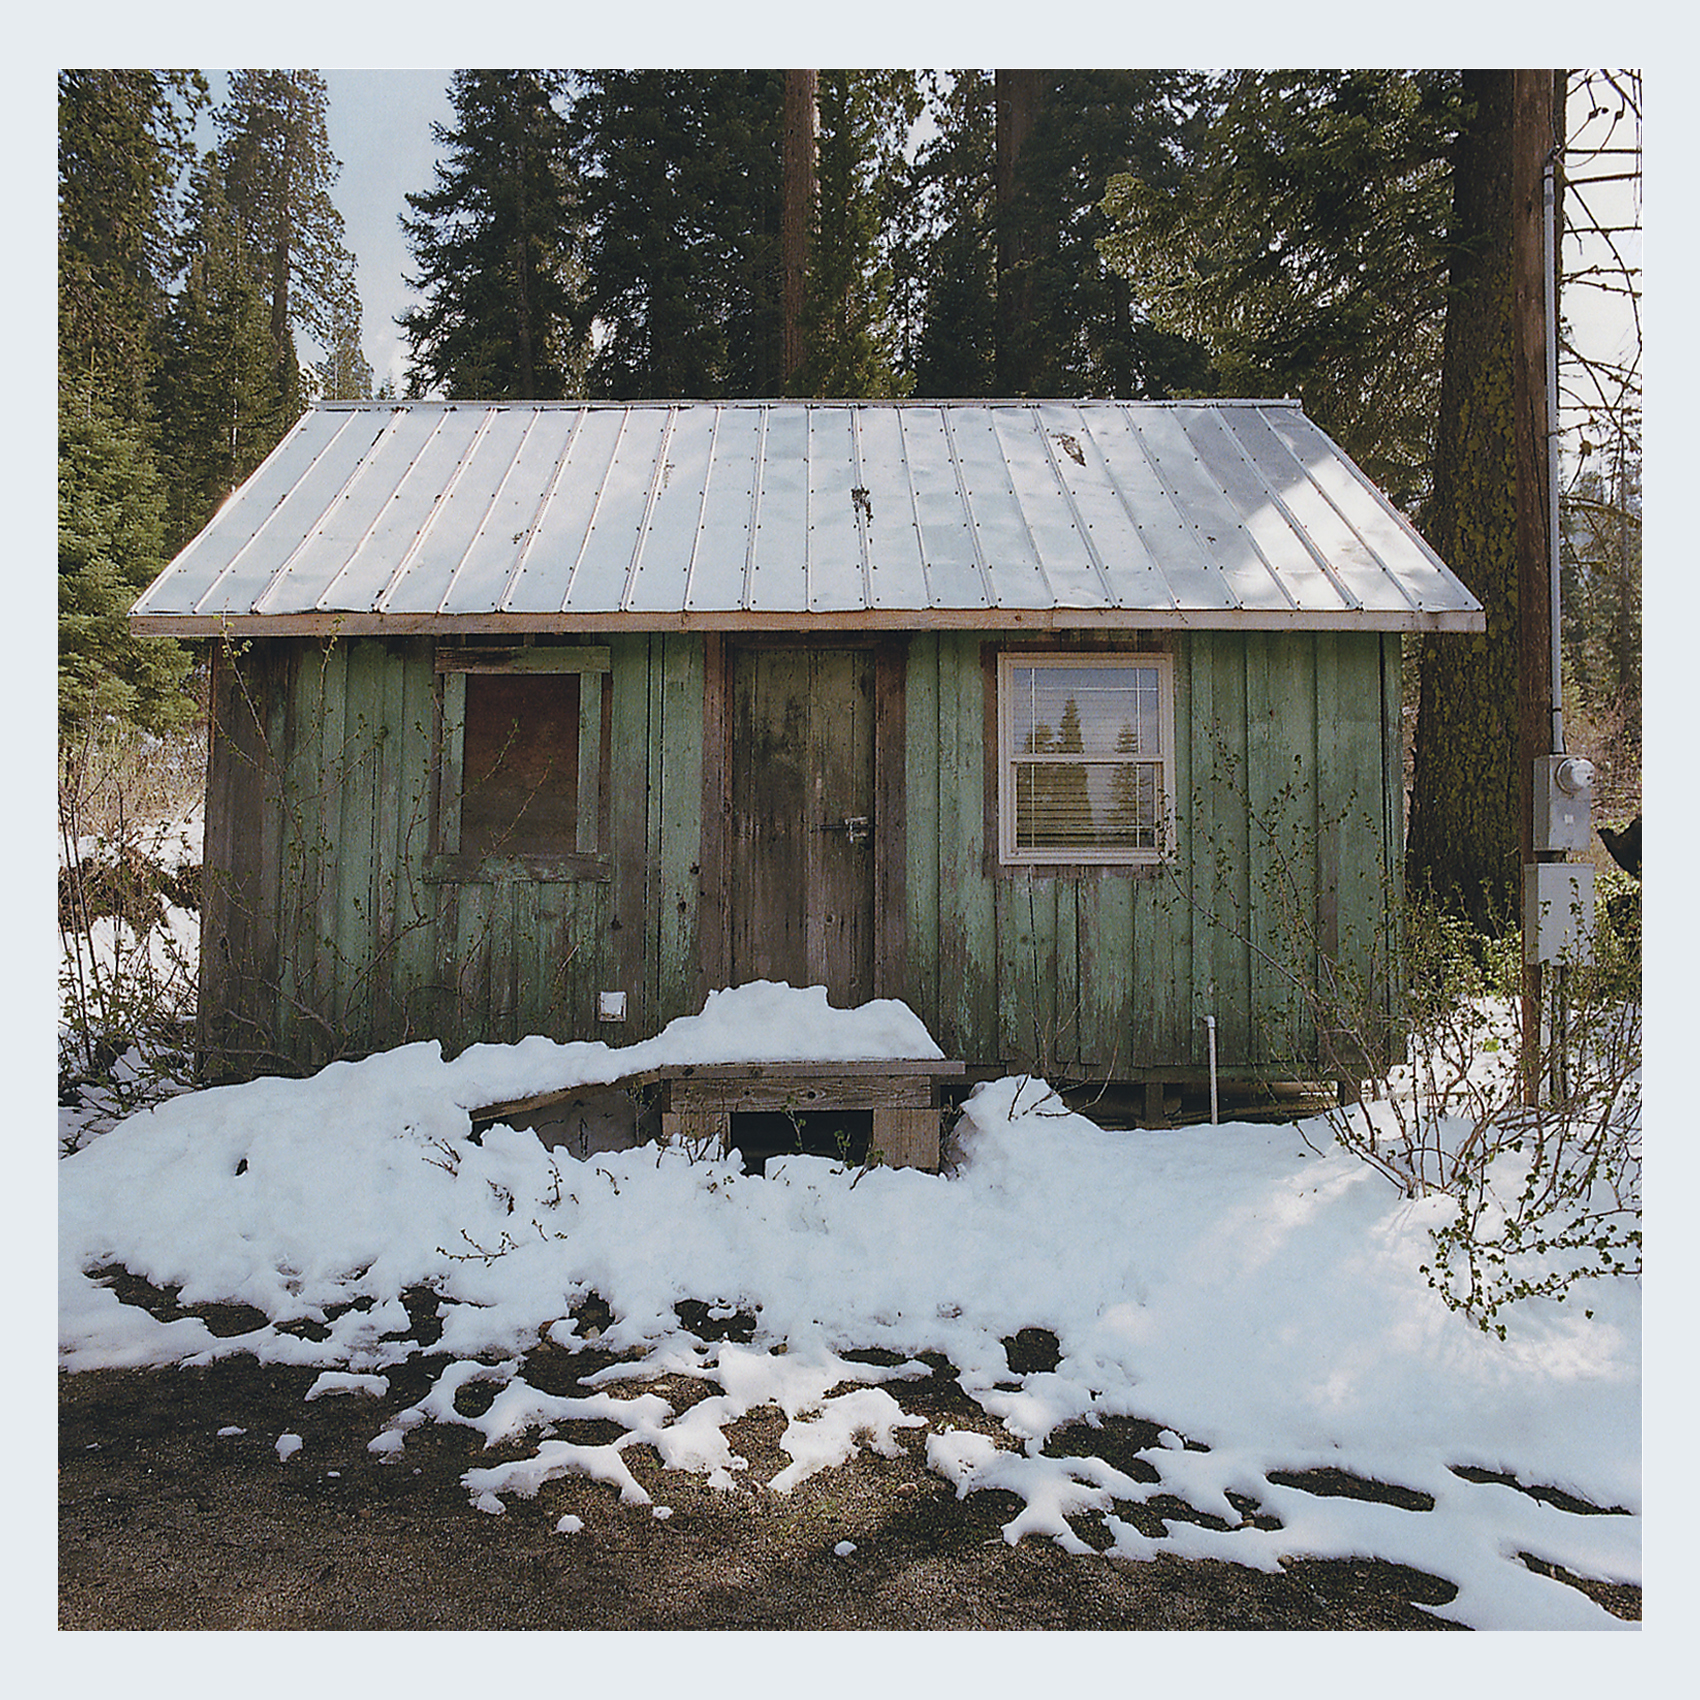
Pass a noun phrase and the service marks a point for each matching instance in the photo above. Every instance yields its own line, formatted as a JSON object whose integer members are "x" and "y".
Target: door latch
{"x": 854, "y": 827}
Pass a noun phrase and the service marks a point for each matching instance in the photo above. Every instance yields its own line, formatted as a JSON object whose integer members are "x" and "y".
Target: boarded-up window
{"x": 520, "y": 792}
{"x": 523, "y": 773}
{"x": 1085, "y": 772}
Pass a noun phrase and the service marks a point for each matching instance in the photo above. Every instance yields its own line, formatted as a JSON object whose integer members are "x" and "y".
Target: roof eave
{"x": 352, "y": 624}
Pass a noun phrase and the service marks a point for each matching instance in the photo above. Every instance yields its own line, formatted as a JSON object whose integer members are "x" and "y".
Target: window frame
{"x": 1054, "y": 856}
{"x": 588, "y": 858}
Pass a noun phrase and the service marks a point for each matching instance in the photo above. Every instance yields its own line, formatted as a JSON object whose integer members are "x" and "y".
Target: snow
{"x": 1250, "y": 1290}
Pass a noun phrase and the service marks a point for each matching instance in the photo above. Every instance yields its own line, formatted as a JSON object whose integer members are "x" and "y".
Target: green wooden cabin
{"x": 1068, "y": 724}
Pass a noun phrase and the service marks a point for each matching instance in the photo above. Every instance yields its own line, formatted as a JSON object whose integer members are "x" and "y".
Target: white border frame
{"x": 1053, "y": 856}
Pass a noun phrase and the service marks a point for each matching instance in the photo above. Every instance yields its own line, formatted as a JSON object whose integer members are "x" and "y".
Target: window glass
{"x": 1085, "y": 759}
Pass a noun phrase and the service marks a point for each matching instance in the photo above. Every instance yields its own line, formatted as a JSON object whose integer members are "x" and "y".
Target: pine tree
{"x": 1469, "y": 792}
{"x": 221, "y": 401}
{"x": 123, "y": 137}
{"x": 123, "y": 142}
{"x": 682, "y": 207}
{"x": 1304, "y": 245}
{"x": 344, "y": 374}
{"x": 1018, "y": 299}
{"x": 278, "y": 174}
{"x": 494, "y": 241}
{"x": 851, "y": 348}
{"x": 110, "y": 547}
{"x": 946, "y": 255}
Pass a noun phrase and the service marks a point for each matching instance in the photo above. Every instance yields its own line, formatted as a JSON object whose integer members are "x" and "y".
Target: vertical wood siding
{"x": 325, "y": 934}
{"x": 1284, "y": 828}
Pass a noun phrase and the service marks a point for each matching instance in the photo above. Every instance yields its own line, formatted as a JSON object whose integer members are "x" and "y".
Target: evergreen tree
{"x": 1469, "y": 791}
{"x": 851, "y": 349}
{"x": 278, "y": 174}
{"x": 345, "y": 374}
{"x": 123, "y": 136}
{"x": 1018, "y": 300}
{"x": 946, "y": 255}
{"x": 1304, "y": 244}
{"x": 682, "y": 207}
{"x": 494, "y": 243}
{"x": 123, "y": 141}
{"x": 221, "y": 405}
{"x": 110, "y": 536}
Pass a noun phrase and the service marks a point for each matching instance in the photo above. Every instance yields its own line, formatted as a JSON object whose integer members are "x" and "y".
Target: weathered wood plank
{"x": 959, "y": 1028}
{"x": 237, "y": 1024}
{"x": 362, "y": 761}
{"x": 1232, "y": 971}
{"x": 1118, "y": 979}
{"x": 697, "y": 1130}
{"x": 891, "y": 944}
{"x": 679, "y": 783}
{"x": 587, "y": 812}
{"x": 906, "y": 1138}
{"x": 1200, "y": 874}
{"x": 840, "y": 898}
{"x": 474, "y": 905}
{"x": 921, "y": 810}
{"x": 714, "y": 917}
{"x": 550, "y": 658}
{"x": 630, "y": 827}
{"x": 451, "y": 763}
{"x": 1363, "y": 886}
{"x": 801, "y": 1091}
{"x": 418, "y": 954}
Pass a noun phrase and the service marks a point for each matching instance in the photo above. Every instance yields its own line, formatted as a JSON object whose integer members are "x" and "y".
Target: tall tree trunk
{"x": 1018, "y": 94}
{"x": 1463, "y": 848}
{"x": 797, "y": 213}
{"x": 1484, "y": 701}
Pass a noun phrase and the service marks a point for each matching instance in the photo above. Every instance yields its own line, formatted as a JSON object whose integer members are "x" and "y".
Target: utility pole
{"x": 1556, "y": 789}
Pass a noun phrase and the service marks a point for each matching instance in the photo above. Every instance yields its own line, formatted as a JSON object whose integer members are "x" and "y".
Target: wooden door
{"x": 802, "y": 757}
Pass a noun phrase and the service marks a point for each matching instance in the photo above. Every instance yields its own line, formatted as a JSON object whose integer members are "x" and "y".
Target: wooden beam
{"x": 400, "y": 624}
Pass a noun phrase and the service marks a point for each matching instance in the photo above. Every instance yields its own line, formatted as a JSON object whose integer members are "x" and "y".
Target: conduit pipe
{"x": 1210, "y": 1035}
{"x": 1549, "y": 182}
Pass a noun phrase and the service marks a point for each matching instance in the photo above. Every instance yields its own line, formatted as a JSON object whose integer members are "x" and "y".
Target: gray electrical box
{"x": 1564, "y": 800}
{"x": 1558, "y": 912}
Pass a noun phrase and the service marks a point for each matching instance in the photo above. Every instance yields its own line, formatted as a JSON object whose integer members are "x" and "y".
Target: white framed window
{"x": 1085, "y": 758}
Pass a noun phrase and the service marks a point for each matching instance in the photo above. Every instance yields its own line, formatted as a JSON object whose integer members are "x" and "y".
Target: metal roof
{"x": 380, "y": 517}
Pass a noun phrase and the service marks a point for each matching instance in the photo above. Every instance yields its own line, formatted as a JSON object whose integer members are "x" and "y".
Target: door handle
{"x": 854, "y": 827}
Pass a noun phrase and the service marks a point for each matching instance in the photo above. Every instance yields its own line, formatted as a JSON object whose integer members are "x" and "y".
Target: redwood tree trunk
{"x": 1018, "y": 96}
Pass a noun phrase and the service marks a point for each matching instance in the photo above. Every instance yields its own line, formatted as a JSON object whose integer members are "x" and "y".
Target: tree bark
{"x": 797, "y": 212}
{"x": 1465, "y": 835}
{"x": 1018, "y": 94}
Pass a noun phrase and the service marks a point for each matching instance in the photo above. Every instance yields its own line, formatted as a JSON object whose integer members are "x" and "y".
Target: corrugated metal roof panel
{"x": 525, "y": 516}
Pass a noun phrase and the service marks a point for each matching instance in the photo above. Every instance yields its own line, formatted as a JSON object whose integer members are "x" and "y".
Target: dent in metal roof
{"x": 534, "y": 516}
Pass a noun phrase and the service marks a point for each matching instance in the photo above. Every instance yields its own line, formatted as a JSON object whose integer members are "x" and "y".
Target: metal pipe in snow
{"x": 1550, "y": 244}
{"x": 1210, "y": 1034}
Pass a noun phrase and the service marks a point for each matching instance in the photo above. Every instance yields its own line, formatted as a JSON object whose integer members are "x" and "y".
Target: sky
{"x": 380, "y": 128}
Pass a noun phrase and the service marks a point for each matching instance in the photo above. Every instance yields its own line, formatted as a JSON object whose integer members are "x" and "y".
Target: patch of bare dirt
{"x": 167, "y": 1523}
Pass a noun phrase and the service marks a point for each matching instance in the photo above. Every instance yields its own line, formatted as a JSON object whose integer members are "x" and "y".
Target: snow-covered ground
{"x": 1249, "y": 1288}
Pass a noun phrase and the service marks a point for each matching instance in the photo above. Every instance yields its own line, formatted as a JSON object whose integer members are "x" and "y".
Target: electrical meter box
{"x": 1564, "y": 800}
{"x": 1558, "y": 912}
